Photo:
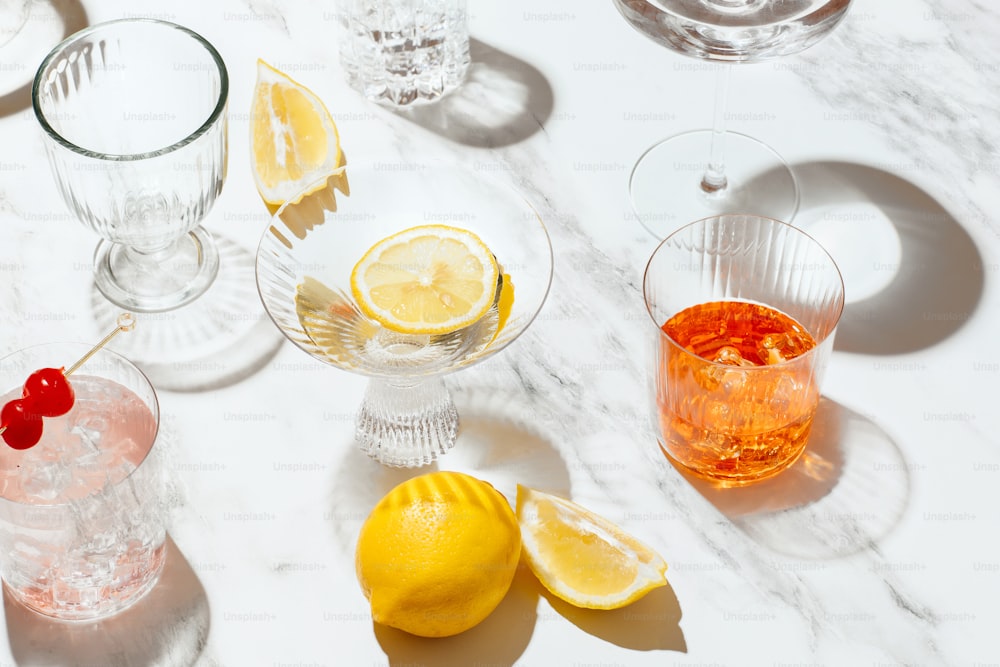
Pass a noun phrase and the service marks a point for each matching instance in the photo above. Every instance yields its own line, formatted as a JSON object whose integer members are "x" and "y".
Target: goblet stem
{"x": 154, "y": 280}
{"x": 714, "y": 179}
{"x": 406, "y": 425}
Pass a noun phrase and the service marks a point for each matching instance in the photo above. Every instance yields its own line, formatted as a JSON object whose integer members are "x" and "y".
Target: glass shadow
{"x": 167, "y": 627}
{"x": 503, "y": 101}
{"x": 846, "y": 493}
{"x": 499, "y": 441}
{"x": 221, "y": 338}
{"x": 913, "y": 274}
{"x": 48, "y": 23}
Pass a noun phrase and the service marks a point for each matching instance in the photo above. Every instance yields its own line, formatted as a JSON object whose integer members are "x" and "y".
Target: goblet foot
{"x": 667, "y": 189}
{"x": 160, "y": 280}
{"x": 406, "y": 425}
{"x": 216, "y": 340}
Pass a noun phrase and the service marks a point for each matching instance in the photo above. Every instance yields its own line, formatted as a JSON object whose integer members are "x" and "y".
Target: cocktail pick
{"x": 47, "y": 393}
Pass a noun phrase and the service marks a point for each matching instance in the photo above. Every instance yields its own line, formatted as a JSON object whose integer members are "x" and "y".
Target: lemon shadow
{"x": 499, "y": 640}
{"x": 846, "y": 493}
{"x": 168, "y": 627}
{"x": 651, "y": 623}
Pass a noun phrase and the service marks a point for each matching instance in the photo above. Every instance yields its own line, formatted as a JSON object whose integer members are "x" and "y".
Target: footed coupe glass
{"x": 304, "y": 265}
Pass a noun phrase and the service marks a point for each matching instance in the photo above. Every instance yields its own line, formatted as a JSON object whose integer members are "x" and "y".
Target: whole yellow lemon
{"x": 438, "y": 554}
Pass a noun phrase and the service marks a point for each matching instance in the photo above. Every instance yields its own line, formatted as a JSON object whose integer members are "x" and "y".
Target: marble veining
{"x": 877, "y": 548}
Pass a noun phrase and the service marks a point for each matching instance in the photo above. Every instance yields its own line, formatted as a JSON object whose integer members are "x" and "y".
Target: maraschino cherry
{"x": 50, "y": 392}
{"x": 46, "y": 393}
{"x": 22, "y": 427}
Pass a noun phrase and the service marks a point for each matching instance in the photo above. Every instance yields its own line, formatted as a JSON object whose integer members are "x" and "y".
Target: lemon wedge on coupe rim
{"x": 430, "y": 279}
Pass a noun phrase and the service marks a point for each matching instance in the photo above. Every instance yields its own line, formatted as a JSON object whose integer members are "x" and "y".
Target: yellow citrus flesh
{"x": 582, "y": 558}
{"x": 430, "y": 279}
{"x": 438, "y": 554}
{"x": 505, "y": 303}
{"x": 294, "y": 141}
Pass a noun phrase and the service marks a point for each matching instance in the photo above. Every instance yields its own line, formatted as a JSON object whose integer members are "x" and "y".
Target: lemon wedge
{"x": 582, "y": 558}
{"x": 431, "y": 279}
{"x": 293, "y": 139}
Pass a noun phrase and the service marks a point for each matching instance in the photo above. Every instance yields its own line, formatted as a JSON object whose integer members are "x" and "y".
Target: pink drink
{"x": 81, "y": 533}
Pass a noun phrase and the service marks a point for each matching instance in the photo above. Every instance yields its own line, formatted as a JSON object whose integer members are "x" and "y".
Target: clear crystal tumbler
{"x": 744, "y": 311}
{"x": 403, "y": 52}
{"x": 82, "y": 518}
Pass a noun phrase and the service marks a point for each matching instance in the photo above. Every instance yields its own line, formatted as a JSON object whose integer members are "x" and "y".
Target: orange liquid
{"x": 736, "y": 397}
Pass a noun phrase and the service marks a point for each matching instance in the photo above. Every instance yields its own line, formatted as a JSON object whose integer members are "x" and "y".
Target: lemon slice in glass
{"x": 431, "y": 279}
{"x": 582, "y": 558}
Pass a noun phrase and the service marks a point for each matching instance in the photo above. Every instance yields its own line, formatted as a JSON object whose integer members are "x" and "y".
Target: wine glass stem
{"x": 714, "y": 179}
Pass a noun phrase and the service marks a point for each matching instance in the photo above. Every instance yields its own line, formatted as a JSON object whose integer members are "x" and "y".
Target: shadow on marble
{"x": 220, "y": 339}
{"x": 913, "y": 275}
{"x": 500, "y": 440}
{"x": 498, "y": 640}
{"x": 49, "y": 23}
{"x": 167, "y": 628}
{"x": 503, "y": 101}
{"x": 312, "y": 209}
{"x": 506, "y": 438}
{"x": 846, "y": 493}
{"x": 649, "y": 624}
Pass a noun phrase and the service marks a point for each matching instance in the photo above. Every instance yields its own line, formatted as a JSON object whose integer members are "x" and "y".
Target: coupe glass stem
{"x": 406, "y": 425}
{"x": 714, "y": 180}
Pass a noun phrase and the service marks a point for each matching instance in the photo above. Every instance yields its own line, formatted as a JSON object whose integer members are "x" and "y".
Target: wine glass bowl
{"x": 134, "y": 120}
{"x": 734, "y": 30}
{"x": 304, "y": 265}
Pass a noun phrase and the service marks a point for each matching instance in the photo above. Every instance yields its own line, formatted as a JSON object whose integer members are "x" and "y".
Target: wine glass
{"x": 702, "y": 173}
{"x": 134, "y": 120}
{"x": 304, "y": 265}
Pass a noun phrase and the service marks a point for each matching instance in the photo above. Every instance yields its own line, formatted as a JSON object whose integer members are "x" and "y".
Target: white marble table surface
{"x": 883, "y": 550}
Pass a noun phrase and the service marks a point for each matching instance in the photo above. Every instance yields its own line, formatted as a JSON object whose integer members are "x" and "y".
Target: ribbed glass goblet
{"x": 134, "y": 119}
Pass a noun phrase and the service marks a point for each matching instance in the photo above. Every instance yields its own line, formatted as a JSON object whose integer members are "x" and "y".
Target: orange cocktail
{"x": 745, "y": 309}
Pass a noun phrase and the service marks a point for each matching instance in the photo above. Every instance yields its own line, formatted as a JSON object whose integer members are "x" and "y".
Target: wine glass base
{"x": 159, "y": 281}
{"x": 407, "y": 426}
{"x": 666, "y": 191}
